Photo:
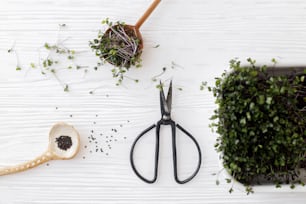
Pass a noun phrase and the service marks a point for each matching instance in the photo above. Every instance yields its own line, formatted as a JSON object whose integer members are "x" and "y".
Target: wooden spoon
{"x": 142, "y": 19}
{"x": 64, "y": 143}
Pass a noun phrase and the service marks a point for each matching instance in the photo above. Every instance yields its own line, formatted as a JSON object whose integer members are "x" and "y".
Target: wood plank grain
{"x": 199, "y": 35}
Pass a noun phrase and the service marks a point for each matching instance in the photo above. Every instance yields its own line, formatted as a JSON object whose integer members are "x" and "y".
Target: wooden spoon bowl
{"x": 132, "y": 31}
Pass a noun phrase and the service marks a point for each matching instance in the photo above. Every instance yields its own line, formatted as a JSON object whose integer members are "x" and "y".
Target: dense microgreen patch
{"x": 261, "y": 123}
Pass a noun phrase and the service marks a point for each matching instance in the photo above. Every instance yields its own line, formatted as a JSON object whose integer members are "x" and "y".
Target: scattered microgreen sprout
{"x": 32, "y": 65}
{"x": 53, "y": 57}
{"x": 165, "y": 72}
{"x": 120, "y": 46}
{"x": 50, "y": 63}
{"x": 175, "y": 65}
{"x": 273, "y": 60}
{"x": 13, "y": 50}
{"x": 117, "y": 84}
{"x": 231, "y": 181}
{"x": 160, "y": 86}
{"x": 66, "y": 89}
{"x": 156, "y": 77}
{"x": 203, "y": 85}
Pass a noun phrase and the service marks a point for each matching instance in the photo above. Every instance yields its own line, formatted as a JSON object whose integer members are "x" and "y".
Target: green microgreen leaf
{"x": 66, "y": 88}
{"x": 33, "y": 65}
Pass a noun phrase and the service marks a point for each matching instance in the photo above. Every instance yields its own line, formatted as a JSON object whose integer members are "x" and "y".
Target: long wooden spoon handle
{"x": 147, "y": 14}
{"x": 27, "y": 165}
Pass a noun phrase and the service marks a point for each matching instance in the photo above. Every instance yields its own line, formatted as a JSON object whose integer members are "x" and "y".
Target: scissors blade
{"x": 169, "y": 97}
{"x": 163, "y": 102}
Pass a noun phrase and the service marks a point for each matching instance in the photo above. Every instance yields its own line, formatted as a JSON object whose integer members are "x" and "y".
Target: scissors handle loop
{"x": 175, "y": 157}
{"x": 156, "y": 156}
{"x": 174, "y": 151}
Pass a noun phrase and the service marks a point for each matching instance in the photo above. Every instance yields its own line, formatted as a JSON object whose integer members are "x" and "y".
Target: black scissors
{"x": 165, "y": 106}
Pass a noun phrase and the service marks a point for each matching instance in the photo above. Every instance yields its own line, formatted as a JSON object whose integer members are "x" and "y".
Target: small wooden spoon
{"x": 135, "y": 28}
{"x": 142, "y": 19}
{"x": 65, "y": 149}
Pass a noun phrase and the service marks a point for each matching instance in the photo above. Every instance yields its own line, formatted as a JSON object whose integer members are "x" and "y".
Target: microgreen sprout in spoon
{"x": 121, "y": 45}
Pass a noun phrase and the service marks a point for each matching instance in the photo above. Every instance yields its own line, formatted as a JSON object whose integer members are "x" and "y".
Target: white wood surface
{"x": 200, "y": 35}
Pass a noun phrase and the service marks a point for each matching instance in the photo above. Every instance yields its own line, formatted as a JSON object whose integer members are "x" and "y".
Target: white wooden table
{"x": 199, "y": 35}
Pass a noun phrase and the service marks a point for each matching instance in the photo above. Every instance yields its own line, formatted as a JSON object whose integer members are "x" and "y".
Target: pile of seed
{"x": 64, "y": 142}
